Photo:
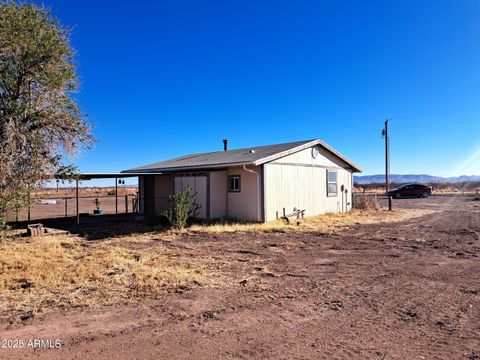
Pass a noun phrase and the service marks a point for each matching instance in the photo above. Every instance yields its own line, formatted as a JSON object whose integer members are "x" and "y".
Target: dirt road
{"x": 407, "y": 290}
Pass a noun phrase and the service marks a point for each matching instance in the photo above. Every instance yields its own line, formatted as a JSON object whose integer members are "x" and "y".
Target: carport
{"x": 94, "y": 176}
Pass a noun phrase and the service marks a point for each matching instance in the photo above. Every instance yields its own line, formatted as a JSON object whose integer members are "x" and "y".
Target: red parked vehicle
{"x": 411, "y": 190}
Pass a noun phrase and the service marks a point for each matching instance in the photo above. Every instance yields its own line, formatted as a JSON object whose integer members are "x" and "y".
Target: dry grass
{"x": 64, "y": 272}
{"x": 327, "y": 222}
{"x": 43, "y": 273}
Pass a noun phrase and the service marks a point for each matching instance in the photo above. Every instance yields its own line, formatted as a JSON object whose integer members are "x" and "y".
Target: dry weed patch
{"x": 327, "y": 222}
{"x": 65, "y": 272}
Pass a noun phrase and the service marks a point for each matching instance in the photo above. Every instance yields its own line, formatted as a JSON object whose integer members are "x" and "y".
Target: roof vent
{"x": 225, "y": 144}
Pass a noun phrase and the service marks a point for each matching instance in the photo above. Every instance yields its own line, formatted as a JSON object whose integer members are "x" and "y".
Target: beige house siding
{"x": 218, "y": 194}
{"x": 245, "y": 204}
{"x": 300, "y": 181}
{"x": 163, "y": 188}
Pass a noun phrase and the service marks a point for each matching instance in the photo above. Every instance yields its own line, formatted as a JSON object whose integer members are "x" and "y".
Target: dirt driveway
{"x": 406, "y": 290}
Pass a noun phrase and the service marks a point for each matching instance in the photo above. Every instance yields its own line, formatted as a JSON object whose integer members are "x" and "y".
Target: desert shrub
{"x": 365, "y": 201}
{"x": 181, "y": 207}
{"x": 13, "y": 201}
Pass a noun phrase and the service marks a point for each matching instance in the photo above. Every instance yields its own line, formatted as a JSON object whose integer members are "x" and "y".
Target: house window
{"x": 331, "y": 183}
{"x": 234, "y": 183}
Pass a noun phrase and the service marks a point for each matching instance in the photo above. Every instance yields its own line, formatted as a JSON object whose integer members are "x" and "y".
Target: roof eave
{"x": 286, "y": 152}
{"x": 187, "y": 168}
{"x": 274, "y": 157}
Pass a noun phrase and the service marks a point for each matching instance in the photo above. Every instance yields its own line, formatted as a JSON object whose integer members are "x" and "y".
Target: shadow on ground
{"x": 96, "y": 227}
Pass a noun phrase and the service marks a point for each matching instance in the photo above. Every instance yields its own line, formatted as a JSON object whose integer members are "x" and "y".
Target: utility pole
{"x": 387, "y": 157}
{"x": 387, "y": 163}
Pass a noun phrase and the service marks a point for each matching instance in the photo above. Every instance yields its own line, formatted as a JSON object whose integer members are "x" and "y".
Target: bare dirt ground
{"x": 401, "y": 290}
{"x": 65, "y": 205}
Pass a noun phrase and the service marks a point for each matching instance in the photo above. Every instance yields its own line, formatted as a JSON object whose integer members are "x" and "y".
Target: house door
{"x": 199, "y": 183}
{"x": 149, "y": 195}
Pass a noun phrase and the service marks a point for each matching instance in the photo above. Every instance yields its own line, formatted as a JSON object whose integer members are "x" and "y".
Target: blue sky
{"x": 165, "y": 78}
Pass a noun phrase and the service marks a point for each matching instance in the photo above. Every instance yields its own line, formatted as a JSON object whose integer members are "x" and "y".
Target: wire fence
{"x": 365, "y": 200}
{"x": 66, "y": 206}
{"x": 153, "y": 204}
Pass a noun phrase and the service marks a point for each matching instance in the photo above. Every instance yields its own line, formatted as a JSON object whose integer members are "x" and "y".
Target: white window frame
{"x": 329, "y": 193}
{"x": 234, "y": 190}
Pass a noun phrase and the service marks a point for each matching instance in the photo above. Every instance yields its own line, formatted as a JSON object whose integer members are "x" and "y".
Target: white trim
{"x": 285, "y": 153}
{"x": 294, "y": 150}
{"x": 259, "y": 199}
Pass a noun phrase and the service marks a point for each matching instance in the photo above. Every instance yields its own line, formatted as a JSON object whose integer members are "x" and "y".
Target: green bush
{"x": 181, "y": 207}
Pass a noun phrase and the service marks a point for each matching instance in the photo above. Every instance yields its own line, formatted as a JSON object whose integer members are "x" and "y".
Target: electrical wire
{"x": 436, "y": 114}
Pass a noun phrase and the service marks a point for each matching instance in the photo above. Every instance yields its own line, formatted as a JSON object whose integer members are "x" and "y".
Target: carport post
{"x": 78, "y": 212}
{"x": 16, "y": 209}
{"x": 66, "y": 206}
{"x": 116, "y": 195}
{"x": 126, "y": 205}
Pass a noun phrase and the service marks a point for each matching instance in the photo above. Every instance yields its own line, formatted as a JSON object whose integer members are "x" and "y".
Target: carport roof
{"x": 91, "y": 176}
{"x": 247, "y": 156}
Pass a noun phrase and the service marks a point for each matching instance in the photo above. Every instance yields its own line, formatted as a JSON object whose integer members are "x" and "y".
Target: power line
{"x": 437, "y": 124}
{"x": 436, "y": 113}
{"x": 371, "y": 122}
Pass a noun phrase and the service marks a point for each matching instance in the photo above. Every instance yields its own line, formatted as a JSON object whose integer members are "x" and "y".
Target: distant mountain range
{"x": 401, "y": 179}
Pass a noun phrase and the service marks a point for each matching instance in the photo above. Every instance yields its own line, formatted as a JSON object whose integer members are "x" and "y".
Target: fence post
{"x": 389, "y": 203}
{"x": 29, "y": 207}
{"x": 66, "y": 207}
{"x": 78, "y": 205}
{"x": 126, "y": 205}
{"x": 116, "y": 195}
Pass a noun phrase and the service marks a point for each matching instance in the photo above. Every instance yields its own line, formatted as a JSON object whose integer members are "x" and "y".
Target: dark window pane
{"x": 234, "y": 183}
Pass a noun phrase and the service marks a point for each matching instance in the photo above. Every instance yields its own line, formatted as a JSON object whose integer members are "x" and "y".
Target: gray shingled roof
{"x": 248, "y": 156}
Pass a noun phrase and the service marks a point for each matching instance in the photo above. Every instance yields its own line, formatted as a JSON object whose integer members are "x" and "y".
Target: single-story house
{"x": 254, "y": 184}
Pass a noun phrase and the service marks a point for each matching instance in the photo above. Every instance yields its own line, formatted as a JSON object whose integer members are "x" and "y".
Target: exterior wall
{"x": 218, "y": 194}
{"x": 163, "y": 188}
{"x": 244, "y": 205}
{"x": 300, "y": 181}
{"x": 213, "y": 207}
